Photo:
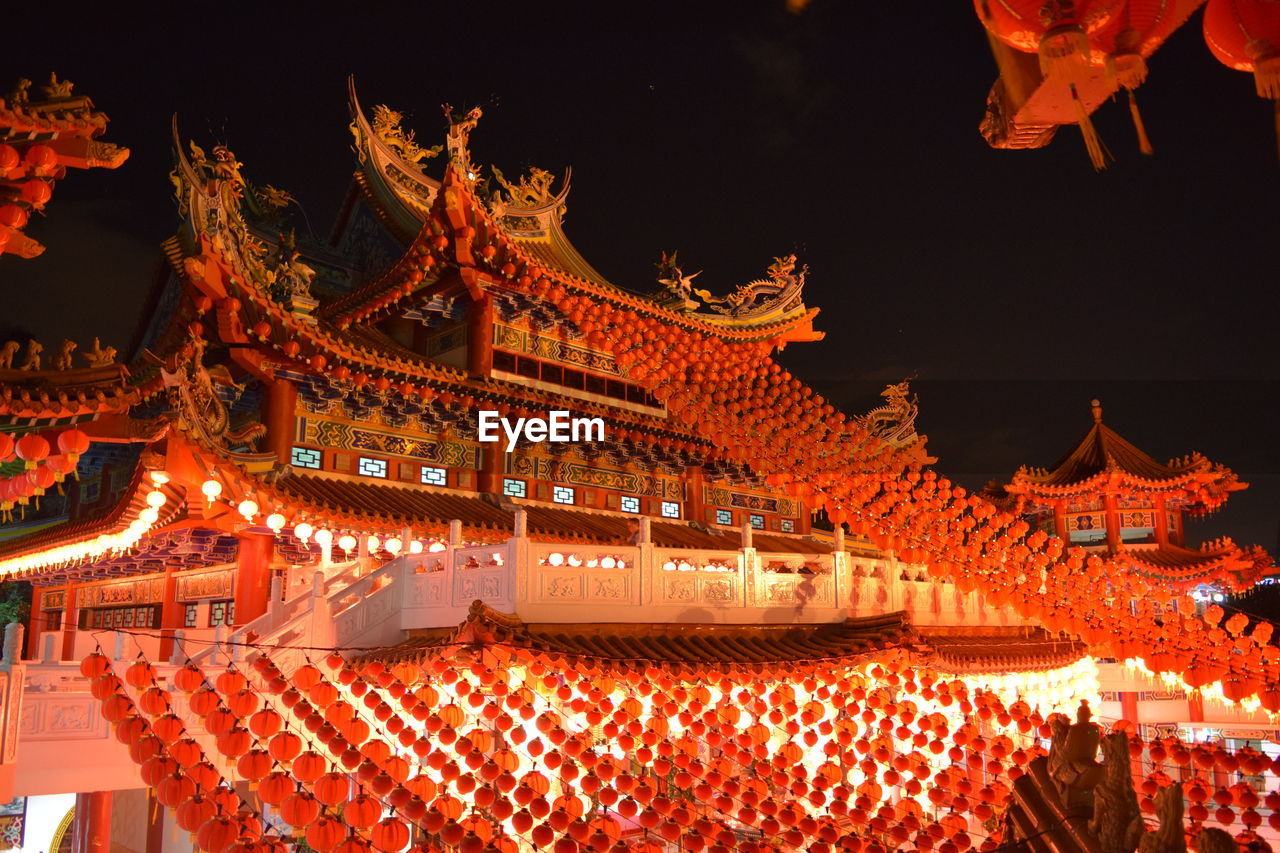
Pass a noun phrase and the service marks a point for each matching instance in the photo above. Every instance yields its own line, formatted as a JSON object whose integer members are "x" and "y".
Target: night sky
{"x": 1015, "y": 285}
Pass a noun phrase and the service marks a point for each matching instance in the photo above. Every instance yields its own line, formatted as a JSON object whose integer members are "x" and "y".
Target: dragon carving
{"x": 895, "y": 421}
{"x": 387, "y": 126}
{"x": 458, "y": 140}
{"x": 213, "y": 193}
{"x": 781, "y": 290}
{"x": 193, "y": 394}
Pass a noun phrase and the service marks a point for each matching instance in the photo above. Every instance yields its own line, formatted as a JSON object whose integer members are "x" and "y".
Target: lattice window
{"x": 222, "y": 613}
{"x": 432, "y": 476}
{"x": 562, "y": 495}
{"x": 515, "y": 488}
{"x": 305, "y": 457}
{"x": 788, "y": 525}
{"x": 189, "y": 615}
{"x": 757, "y": 521}
{"x": 724, "y": 516}
{"x": 371, "y": 467}
{"x": 630, "y": 503}
{"x": 670, "y": 509}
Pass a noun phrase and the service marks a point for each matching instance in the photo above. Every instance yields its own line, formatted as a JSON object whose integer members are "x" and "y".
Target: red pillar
{"x": 170, "y": 612}
{"x": 155, "y": 823}
{"x": 491, "y": 464}
{"x": 1112, "y": 509}
{"x": 695, "y": 480}
{"x": 281, "y": 400}
{"x": 253, "y": 576}
{"x": 1060, "y": 521}
{"x": 35, "y": 624}
{"x": 1162, "y": 521}
{"x": 70, "y": 619}
{"x": 480, "y": 337}
{"x": 91, "y": 832}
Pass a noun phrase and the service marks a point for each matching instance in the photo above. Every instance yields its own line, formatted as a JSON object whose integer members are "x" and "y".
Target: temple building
{"x": 288, "y": 589}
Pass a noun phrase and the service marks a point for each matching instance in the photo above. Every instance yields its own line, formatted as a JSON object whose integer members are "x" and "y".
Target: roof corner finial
{"x": 1096, "y": 405}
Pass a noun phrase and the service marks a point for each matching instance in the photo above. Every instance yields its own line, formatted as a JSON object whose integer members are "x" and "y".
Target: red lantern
{"x": 216, "y": 835}
{"x": 1245, "y": 35}
{"x": 390, "y": 835}
{"x": 73, "y": 443}
{"x": 31, "y": 449}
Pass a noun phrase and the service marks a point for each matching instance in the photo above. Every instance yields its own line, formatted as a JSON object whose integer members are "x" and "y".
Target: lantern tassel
{"x": 1098, "y": 153}
{"x": 1144, "y": 142}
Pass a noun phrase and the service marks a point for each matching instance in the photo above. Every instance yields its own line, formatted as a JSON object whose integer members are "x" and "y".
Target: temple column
{"x": 70, "y": 620}
{"x": 1162, "y": 521}
{"x": 91, "y": 828}
{"x": 480, "y": 319}
{"x": 491, "y": 459}
{"x": 1177, "y": 532}
{"x": 279, "y": 404}
{"x": 1111, "y": 508}
{"x": 170, "y": 613}
{"x": 155, "y": 824}
{"x": 1060, "y": 521}
{"x": 253, "y": 576}
{"x": 693, "y": 497}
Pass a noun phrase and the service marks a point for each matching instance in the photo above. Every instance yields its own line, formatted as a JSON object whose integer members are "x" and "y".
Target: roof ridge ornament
{"x": 1096, "y": 407}
{"x": 458, "y": 140}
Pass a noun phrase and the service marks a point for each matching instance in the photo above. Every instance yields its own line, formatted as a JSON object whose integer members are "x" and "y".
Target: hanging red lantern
{"x": 73, "y": 443}
{"x": 1245, "y": 35}
{"x": 31, "y": 449}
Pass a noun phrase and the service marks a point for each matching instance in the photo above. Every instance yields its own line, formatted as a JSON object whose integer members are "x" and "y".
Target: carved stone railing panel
{"x": 687, "y": 578}
{"x": 589, "y": 574}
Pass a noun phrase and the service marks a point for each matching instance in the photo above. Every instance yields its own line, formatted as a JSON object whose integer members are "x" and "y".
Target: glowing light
{"x": 324, "y": 537}
{"x": 159, "y": 477}
{"x": 608, "y": 563}
{"x": 574, "y": 560}
{"x": 276, "y": 522}
{"x": 150, "y": 516}
{"x": 437, "y": 547}
{"x": 372, "y": 543}
{"x": 156, "y": 499}
{"x": 211, "y": 489}
{"x": 415, "y": 547}
{"x": 556, "y": 559}
{"x": 248, "y": 509}
{"x": 347, "y": 543}
{"x": 303, "y": 531}
{"x": 393, "y": 546}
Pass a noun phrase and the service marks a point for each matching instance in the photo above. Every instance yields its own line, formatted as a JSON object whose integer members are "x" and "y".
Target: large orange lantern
{"x": 1245, "y": 35}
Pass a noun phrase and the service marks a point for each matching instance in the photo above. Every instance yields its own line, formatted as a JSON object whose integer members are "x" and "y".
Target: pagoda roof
{"x": 658, "y": 644}
{"x": 1220, "y": 561}
{"x": 1012, "y": 649}
{"x": 1104, "y": 461}
{"x": 429, "y": 509}
{"x": 45, "y": 398}
{"x": 455, "y": 225}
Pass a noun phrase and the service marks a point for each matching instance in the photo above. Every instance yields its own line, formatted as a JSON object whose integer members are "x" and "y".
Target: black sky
{"x": 1014, "y": 285}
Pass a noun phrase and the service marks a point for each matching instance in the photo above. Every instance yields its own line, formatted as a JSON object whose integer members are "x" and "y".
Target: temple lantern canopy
{"x": 1060, "y": 35}
{"x": 1129, "y": 37}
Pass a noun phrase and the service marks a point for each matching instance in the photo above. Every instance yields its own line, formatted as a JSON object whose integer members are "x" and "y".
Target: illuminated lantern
{"x": 254, "y": 765}
{"x": 300, "y": 809}
{"x": 285, "y": 746}
{"x": 362, "y": 811}
{"x": 140, "y": 674}
{"x": 217, "y": 834}
{"x": 331, "y": 788}
{"x": 73, "y": 443}
{"x": 275, "y": 787}
{"x": 309, "y": 766}
{"x": 390, "y": 835}
{"x": 172, "y": 790}
{"x": 192, "y": 813}
{"x": 31, "y": 449}
{"x": 41, "y": 157}
{"x": 325, "y": 834}
{"x": 1245, "y": 35}
{"x": 95, "y": 664}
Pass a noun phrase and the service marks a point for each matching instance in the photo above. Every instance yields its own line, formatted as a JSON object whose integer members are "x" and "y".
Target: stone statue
{"x": 32, "y": 361}
{"x": 1117, "y": 820}
{"x": 1170, "y": 836}
{"x": 7, "y": 352}
{"x": 100, "y": 356}
{"x": 62, "y": 361}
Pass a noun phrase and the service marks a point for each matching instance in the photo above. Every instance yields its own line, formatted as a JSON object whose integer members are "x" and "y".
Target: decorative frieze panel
{"x": 792, "y": 590}
{"x": 427, "y": 590}
{"x": 564, "y": 470}
{"x": 347, "y": 436}
{"x": 205, "y": 585}
{"x": 490, "y": 585}
{"x": 145, "y": 591}
{"x": 367, "y": 614}
{"x": 67, "y": 716}
{"x": 552, "y": 349}
{"x": 720, "y": 496}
